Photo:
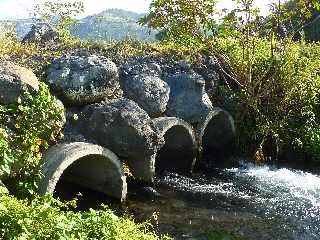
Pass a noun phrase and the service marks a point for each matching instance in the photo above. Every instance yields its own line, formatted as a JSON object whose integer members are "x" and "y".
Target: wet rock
{"x": 15, "y": 81}
{"x": 126, "y": 129}
{"x": 41, "y": 33}
{"x": 80, "y": 79}
{"x": 188, "y": 99}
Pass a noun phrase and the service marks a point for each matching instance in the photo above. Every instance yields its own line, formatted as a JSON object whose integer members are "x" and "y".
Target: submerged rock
{"x": 15, "y": 81}
{"x": 188, "y": 99}
{"x": 80, "y": 79}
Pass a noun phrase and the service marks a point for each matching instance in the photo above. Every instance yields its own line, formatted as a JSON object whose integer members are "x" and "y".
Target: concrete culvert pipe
{"x": 90, "y": 166}
{"x": 216, "y": 133}
{"x": 178, "y": 154}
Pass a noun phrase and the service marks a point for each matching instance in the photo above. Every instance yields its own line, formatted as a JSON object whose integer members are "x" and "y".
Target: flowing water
{"x": 250, "y": 201}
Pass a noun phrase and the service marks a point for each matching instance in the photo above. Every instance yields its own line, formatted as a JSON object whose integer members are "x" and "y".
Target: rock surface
{"x": 15, "y": 81}
{"x": 41, "y": 33}
{"x": 150, "y": 92}
{"x": 126, "y": 129}
{"x": 188, "y": 99}
{"x": 141, "y": 82}
{"x": 80, "y": 79}
{"x": 208, "y": 69}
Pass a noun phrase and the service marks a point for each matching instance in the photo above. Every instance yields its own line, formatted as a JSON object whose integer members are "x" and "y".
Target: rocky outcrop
{"x": 141, "y": 83}
{"x": 15, "y": 81}
{"x": 81, "y": 79}
{"x": 126, "y": 129}
{"x": 188, "y": 99}
{"x": 84, "y": 164}
{"x": 41, "y": 33}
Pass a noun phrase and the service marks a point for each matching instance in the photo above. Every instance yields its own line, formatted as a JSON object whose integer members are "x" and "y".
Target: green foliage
{"x": 59, "y": 14}
{"x": 280, "y": 102}
{"x": 35, "y": 120}
{"x": 184, "y": 21}
{"x": 47, "y": 218}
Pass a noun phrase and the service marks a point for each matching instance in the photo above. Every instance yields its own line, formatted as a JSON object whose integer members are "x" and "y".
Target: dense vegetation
{"x": 271, "y": 86}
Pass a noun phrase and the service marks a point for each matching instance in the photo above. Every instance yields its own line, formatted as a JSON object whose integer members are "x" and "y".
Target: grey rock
{"x": 126, "y": 129}
{"x": 209, "y": 70}
{"x": 41, "y": 33}
{"x": 84, "y": 164}
{"x": 150, "y": 92}
{"x": 188, "y": 99}
{"x": 141, "y": 81}
{"x": 140, "y": 65}
{"x": 15, "y": 81}
{"x": 83, "y": 78}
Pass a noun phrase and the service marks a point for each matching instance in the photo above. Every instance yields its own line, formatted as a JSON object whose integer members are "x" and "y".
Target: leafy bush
{"x": 280, "y": 102}
{"x": 47, "y": 218}
{"x": 26, "y": 128}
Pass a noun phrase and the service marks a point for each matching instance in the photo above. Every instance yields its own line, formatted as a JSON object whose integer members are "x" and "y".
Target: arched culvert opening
{"x": 178, "y": 154}
{"x": 216, "y": 135}
{"x": 90, "y": 169}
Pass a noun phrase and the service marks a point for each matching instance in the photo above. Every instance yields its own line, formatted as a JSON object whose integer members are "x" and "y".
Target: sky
{"x": 11, "y": 9}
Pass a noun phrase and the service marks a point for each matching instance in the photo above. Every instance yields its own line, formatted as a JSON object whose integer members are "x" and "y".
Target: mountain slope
{"x": 112, "y": 24}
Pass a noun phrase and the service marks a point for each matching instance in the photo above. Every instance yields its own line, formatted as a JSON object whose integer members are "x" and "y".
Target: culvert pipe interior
{"x": 216, "y": 134}
{"x": 178, "y": 154}
{"x": 86, "y": 165}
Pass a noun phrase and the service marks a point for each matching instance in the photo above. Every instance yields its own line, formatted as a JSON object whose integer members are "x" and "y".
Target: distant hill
{"x": 22, "y": 26}
{"x": 112, "y": 24}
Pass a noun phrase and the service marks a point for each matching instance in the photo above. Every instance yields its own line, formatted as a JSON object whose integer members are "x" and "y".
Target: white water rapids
{"x": 290, "y": 199}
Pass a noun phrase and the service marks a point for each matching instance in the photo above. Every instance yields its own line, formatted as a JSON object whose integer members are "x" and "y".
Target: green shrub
{"x": 36, "y": 120}
{"x": 280, "y": 103}
{"x": 47, "y": 218}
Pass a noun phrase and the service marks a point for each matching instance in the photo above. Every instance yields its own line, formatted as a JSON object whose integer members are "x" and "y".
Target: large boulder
{"x": 15, "y": 81}
{"x": 41, "y": 33}
{"x": 208, "y": 68}
{"x": 150, "y": 92}
{"x": 188, "y": 99}
{"x": 141, "y": 82}
{"x": 123, "y": 127}
{"x": 80, "y": 79}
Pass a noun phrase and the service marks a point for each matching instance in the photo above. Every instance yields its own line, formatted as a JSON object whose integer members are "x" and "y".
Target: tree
{"x": 59, "y": 14}
{"x": 187, "y": 21}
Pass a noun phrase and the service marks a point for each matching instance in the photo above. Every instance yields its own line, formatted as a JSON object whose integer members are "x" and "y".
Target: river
{"x": 255, "y": 202}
